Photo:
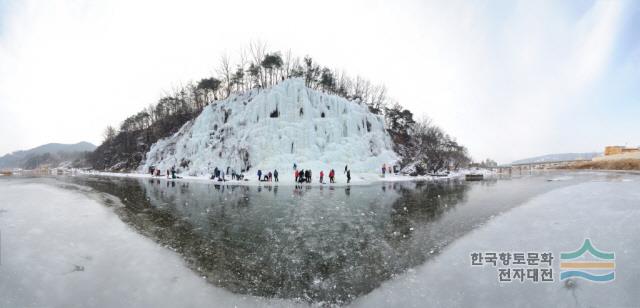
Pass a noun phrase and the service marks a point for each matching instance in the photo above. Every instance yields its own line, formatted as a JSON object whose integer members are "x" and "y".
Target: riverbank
{"x": 288, "y": 179}
{"x": 618, "y": 164}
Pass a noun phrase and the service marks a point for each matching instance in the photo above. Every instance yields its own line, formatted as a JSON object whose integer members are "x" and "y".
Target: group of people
{"x": 386, "y": 169}
{"x": 171, "y": 173}
{"x": 219, "y": 174}
{"x": 268, "y": 177}
{"x": 300, "y": 176}
{"x": 305, "y": 176}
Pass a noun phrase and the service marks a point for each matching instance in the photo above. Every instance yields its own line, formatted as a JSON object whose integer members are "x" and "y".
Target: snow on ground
{"x": 560, "y": 178}
{"x": 287, "y": 178}
{"x": 559, "y": 221}
{"x": 275, "y": 128}
{"x": 62, "y": 249}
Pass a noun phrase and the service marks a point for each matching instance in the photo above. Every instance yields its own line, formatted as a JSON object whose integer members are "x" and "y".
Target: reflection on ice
{"x": 316, "y": 244}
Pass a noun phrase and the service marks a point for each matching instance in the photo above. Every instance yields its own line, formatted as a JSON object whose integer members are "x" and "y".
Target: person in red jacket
{"x": 321, "y": 176}
{"x": 296, "y": 174}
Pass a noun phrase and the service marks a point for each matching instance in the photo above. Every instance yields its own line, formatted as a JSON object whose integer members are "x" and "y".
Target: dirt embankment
{"x": 620, "y": 164}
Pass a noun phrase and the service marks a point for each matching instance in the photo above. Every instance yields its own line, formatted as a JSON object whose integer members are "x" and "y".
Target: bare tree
{"x": 109, "y": 133}
{"x": 151, "y": 110}
{"x": 242, "y": 65}
{"x": 287, "y": 64}
{"x": 378, "y": 99}
{"x": 258, "y": 50}
{"x": 226, "y": 73}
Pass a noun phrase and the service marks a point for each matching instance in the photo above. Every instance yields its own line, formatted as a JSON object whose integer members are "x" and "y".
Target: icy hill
{"x": 275, "y": 128}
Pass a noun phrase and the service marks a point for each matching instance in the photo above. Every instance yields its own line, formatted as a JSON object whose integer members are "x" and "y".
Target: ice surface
{"x": 607, "y": 212}
{"x": 278, "y": 241}
{"x": 275, "y": 128}
{"x": 62, "y": 249}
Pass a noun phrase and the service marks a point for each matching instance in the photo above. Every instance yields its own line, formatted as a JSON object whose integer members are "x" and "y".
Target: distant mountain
{"x": 557, "y": 157}
{"x": 51, "y": 154}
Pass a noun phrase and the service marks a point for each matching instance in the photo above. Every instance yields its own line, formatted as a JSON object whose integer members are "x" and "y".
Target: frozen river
{"x": 105, "y": 241}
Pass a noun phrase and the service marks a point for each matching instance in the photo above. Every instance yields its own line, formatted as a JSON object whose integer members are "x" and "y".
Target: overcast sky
{"x": 508, "y": 79}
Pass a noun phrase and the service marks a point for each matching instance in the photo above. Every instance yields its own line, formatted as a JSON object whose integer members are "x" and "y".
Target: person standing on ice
{"x": 295, "y": 167}
{"x": 332, "y": 175}
{"x": 295, "y": 175}
{"x": 383, "y": 169}
{"x": 321, "y": 176}
{"x": 275, "y": 175}
{"x": 259, "y": 174}
{"x": 348, "y": 176}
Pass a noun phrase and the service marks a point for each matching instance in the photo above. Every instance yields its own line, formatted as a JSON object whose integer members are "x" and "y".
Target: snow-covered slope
{"x": 275, "y": 128}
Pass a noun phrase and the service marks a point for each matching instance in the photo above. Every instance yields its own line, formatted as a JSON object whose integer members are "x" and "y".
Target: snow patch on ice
{"x": 559, "y": 221}
{"x": 560, "y": 178}
{"x": 62, "y": 249}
